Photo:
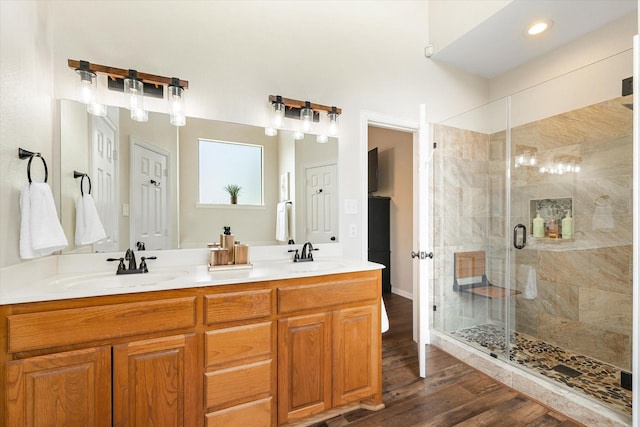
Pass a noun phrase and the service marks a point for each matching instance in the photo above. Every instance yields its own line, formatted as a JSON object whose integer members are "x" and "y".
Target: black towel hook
{"x": 82, "y": 175}
{"x": 23, "y": 154}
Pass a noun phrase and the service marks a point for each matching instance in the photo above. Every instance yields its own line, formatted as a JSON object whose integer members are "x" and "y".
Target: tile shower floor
{"x": 589, "y": 376}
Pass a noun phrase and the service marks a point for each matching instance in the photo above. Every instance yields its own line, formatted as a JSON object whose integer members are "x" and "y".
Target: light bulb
{"x": 322, "y": 139}
{"x": 270, "y": 131}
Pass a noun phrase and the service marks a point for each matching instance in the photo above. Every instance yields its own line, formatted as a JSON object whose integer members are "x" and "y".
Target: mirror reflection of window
{"x": 222, "y": 164}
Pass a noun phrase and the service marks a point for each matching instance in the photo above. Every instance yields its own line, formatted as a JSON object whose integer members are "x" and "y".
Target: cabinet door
{"x": 62, "y": 389}
{"x": 304, "y": 366}
{"x": 154, "y": 382}
{"x": 356, "y": 354}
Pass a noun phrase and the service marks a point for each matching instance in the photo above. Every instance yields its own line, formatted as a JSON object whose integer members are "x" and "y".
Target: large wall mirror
{"x": 145, "y": 181}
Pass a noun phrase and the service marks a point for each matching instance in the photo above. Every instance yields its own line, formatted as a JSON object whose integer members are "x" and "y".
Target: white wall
{"x": 358, "y": 55}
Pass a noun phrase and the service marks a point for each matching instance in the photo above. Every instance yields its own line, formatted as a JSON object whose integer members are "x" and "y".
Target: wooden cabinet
{"x": 331, "y": 357}
{"x": 304, "y": 366}
{"x": 154, "y": 382}
{"x": 258, "y": 354}
{"x": 61, "y": 389}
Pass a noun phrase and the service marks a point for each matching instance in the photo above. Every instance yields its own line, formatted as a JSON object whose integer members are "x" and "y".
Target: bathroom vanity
{"x": 262, "y": 347}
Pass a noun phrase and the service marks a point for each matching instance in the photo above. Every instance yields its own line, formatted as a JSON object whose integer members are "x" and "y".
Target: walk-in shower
{"x": 532, "y": 201}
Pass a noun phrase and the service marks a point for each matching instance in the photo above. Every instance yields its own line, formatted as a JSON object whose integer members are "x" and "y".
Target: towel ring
{"x": 82, "y": 176}
{"x": 46, "y": 171}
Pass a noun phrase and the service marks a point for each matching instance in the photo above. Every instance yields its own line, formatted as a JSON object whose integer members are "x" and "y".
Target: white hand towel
{"x": 89, "y": 228}
{"x": 282, "y": 222}
{"x": 531, "y": 289}
{"x": 40, "y": 229}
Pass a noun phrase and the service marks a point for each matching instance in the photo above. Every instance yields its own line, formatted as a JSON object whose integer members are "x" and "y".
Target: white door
{"x": 149, "y": 196}
{"x": 321, "y": 195}
{"x": 104, "y": 180}
{"x": 424, "y": 235}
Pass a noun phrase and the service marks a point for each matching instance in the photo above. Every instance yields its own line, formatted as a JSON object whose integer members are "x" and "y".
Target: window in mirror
{"x": 222, "y": 164}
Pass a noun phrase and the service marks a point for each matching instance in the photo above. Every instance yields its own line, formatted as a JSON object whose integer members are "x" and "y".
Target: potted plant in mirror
{"x": 234, "y": 192}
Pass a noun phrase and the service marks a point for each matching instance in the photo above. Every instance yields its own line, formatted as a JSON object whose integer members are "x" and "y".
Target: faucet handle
{"x": 121, "y": 266}
{"x": 296, "y": 256}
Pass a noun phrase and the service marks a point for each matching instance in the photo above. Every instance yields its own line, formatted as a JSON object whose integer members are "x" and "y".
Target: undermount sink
{"x": 312, "y": 266}
{"x": 111, "y": 280}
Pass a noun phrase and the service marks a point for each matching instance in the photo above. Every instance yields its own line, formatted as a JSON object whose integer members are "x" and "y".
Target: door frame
{"x": 421, "y": 319}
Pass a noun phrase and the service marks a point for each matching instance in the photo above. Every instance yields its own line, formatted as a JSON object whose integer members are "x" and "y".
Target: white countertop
{"x": 51, "y": 278}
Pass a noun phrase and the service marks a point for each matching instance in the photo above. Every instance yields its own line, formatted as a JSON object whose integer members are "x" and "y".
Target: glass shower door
{"x": 469, "y": 189}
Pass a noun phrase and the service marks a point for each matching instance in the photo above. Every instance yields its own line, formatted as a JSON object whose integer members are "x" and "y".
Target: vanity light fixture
{"x": 88, "y": 88}
{"x": 136, "y": 85}
{"x": 305, "y": 111}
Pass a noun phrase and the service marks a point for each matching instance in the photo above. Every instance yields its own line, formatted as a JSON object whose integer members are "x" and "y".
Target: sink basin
{"x": 312, "y": 266}
{"x": 111, "y": 280}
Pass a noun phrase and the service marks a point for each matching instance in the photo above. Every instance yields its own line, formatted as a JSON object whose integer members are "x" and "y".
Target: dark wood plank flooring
{"x": 453, "y": 394}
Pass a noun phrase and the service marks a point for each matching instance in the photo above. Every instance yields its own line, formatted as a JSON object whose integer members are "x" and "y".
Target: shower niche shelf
{"x": 551, "y": 208}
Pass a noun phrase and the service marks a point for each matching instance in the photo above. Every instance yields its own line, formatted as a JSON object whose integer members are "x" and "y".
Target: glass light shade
{"x": 334, "y": 126}
{"x": 87, "y": 86}
{"x": 139, "y": 115}
{"x": 97, "y": 109}
{"x": 277, "y": 113}
{"x": 270, "y": 131}
{"x": 306, "y": 116}
{"x": 135, "y": 90}
{"x": 175, "y": 95}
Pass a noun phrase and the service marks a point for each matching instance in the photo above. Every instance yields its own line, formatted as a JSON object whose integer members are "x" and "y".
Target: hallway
{"x": 454, "y": 394}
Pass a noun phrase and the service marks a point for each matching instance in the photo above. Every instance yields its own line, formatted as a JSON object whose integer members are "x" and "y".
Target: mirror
{"x": 145, "y": 182}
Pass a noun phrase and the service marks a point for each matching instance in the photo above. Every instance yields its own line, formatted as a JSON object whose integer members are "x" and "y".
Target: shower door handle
{"x": 515, "y": 236}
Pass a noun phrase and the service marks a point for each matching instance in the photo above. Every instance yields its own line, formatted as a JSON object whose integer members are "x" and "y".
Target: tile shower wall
{"x": 584, "y": 300}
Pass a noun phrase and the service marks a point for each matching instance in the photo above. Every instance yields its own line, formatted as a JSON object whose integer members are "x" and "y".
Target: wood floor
{"x": 453, "y": 394}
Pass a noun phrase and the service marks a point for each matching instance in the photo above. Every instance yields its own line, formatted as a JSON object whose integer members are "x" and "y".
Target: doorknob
{"x": 421, "y": 255}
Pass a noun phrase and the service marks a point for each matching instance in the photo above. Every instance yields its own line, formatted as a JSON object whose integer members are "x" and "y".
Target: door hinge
{"x": 115, "y": 154}
{"x": 434, "y": 307}
{"x": 435, "y": 145}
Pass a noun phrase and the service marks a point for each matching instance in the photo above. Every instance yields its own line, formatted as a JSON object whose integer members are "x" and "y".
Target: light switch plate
{"x": 353, "y": 230}
{"x": 351, "y": 207}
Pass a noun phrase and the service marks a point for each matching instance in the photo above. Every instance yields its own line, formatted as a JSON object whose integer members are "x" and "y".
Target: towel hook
{"x": 82, "y": 175}
{"x": 23, "y": 154}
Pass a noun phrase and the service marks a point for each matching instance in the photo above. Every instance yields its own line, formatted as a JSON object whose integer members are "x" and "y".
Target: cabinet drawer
{"x": 255, "y": 414}
{"x": 238, "y": 385}
{"x": 335, "y": 292}
{"x": 230, "y": 345}
{"x": 233, "y": 306}
{"x": 32, "y": 331}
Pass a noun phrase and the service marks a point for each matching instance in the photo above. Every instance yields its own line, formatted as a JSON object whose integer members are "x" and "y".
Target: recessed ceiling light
{"x": 539, "y": 27}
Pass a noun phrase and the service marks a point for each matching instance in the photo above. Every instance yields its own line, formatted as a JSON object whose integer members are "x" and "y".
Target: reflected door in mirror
{"x": 322, "y": 204}
{"x": 104, "y": 178}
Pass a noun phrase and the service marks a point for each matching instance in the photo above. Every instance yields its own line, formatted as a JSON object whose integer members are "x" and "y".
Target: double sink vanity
{"x": 182, "y": 346}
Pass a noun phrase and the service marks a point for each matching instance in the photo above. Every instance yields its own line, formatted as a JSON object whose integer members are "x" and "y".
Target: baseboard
{"x": 402, "y": 293}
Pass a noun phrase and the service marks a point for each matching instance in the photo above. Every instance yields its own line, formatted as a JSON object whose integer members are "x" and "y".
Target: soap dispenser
{"x": 538, "y": 226}
{"x": 226, "y": 241}
{"x": 567, "y": 226}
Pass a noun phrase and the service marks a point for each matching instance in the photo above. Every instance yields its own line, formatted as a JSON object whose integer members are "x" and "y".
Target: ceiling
{"x": 500, "y": 43}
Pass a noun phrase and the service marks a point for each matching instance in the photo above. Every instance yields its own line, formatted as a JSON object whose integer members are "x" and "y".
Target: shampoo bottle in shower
{"x": 538, "y": 226}
{"x": 567, "y": 226}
